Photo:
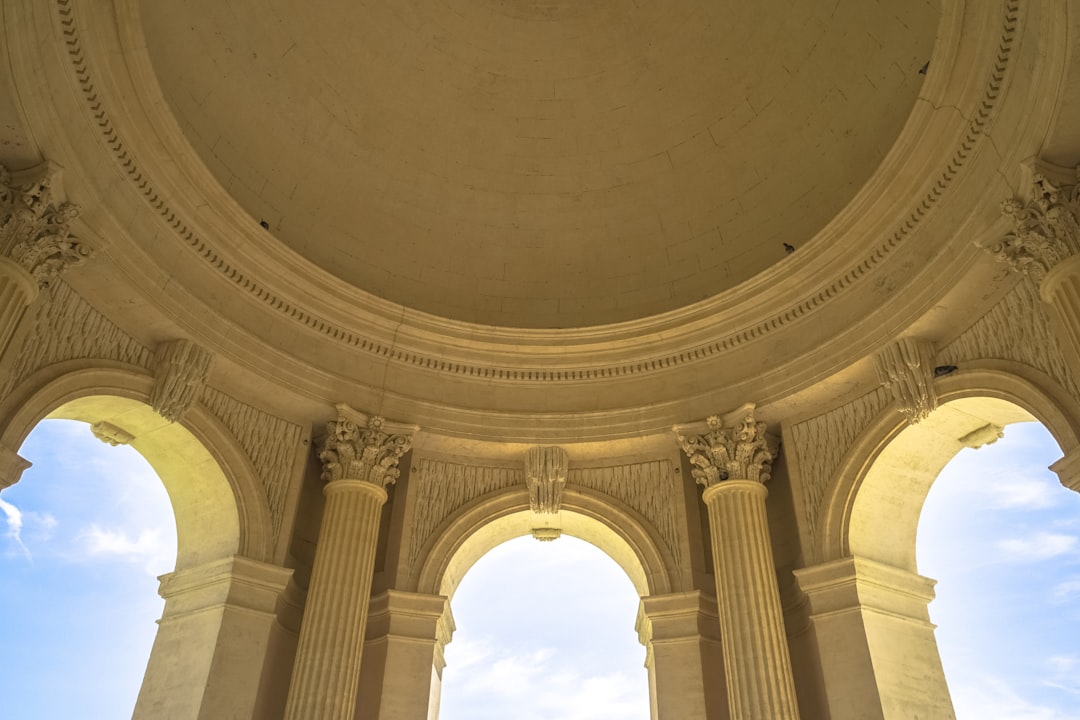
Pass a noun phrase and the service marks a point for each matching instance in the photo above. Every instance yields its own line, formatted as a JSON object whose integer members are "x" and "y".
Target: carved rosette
{"x": 358, "y": 447}
{"x": 736, "y": 447}
{"x": 906, "y": 369}
{"x": 35, "y": 229}
{"x": 545, "y": 476}
{"x": 179, "y": 375}
{"x": 1046, "y": 229}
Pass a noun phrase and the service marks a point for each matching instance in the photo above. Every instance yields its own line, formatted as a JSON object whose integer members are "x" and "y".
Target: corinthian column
{"x": 1044, "y": 244}
{"x": 36, "y": 244}
{"x": 360, "y": 457}
{"x": 733, "y": 460}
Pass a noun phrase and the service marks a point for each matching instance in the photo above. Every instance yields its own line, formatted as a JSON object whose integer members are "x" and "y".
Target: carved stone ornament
{"x": 736, "y": 447}
{"x": 179, "y": 374}
{"x": 906, "y": 369}
{"x": 35, "y": 228}
{"x": 110, "y": 434}
{"x": 358, "y": 447}
{"x": 986, "y": 435}
{"x": 545, "y": 476}
{"x": 1046, "y": 229}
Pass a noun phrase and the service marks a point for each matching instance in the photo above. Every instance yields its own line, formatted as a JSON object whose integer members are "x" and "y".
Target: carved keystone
{"x": 986, "y": 435}
{"x": 735, "y": 447}
{"x": 35, "y": 226}
{"x": 359, "y": 447}
{"x": 906, "y": 369}
{"x": 179, "y": 375}
{"x": 545, "y": 476}
{"x": 110, "y": 434}
{"x": 1046, "y": 228}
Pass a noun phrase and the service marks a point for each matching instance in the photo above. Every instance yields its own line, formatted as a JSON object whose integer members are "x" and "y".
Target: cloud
{"x": 147, "y": 546}
{"x": 14, "y": 518}
{"x": 991, "y": 698}
{"x": 1024, "y": 493}
{"x": 1040, "y": 546}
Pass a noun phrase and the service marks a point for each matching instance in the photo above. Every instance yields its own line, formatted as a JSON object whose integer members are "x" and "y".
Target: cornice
{"x": 165, "y": 172}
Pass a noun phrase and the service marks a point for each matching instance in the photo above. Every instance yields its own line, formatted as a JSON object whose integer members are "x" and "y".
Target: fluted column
{"x": 733, "y": 460}
{"x": 360, "y": 457}
{"x": 36, "y": 244}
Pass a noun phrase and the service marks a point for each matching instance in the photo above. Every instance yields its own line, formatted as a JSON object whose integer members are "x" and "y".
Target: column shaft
{"x": 756, "y": 657}
{"x": 17, "y": 291}
{"x": 327, "y": 668}
{"x": 1061, "y": 290}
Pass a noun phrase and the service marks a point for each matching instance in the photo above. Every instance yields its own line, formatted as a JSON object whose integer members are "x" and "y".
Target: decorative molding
{"x": 978, "y": 125}
{"x": 546, "y": 534}
{"x": 68, "y": 328}
{"x": 270, "y": 442}
{"x": 180, "y": 372}
{"x": 443, "y": 487}
{"x": 649, "y": 488}
{"x": 110, "y": 434}
{"x": 359, "y": 447}
{"x": 736, "y": 447}
{"x": 986, "y": 435}
{"x": 1046, "y": 228}
{"x": 906, "y": 369}
{"x": 1017, "y": 328}
{"x": 545, "y": 476}
{"x": 35, "y": 226}
{"x": 821, "y": 443}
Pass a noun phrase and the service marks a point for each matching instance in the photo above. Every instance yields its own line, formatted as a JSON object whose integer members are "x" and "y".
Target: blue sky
{"x": 84, "y": 534}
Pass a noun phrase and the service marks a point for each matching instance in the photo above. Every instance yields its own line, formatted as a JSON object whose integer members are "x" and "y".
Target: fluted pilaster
{"x": 360, "y": 457}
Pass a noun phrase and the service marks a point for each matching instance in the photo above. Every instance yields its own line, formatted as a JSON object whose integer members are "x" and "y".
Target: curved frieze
{"x": 691, "y": 323}
{"x": 1017, "y": 328}
{"x": 62, "y": 327}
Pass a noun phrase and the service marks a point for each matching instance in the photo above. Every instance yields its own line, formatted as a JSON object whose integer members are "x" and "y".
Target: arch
{"x": 873, "y": 504}
{"x": 490, "y": 521}
{"x": 215, "y": 493}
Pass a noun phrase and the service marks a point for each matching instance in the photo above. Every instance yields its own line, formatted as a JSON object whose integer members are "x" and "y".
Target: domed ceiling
{"x": 541, "y": 163}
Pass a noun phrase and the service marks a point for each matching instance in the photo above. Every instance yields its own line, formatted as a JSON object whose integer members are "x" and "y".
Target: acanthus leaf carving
{"x": 905, "y": 368}
{"x": 35, "y": 228}
{"x": 111, "y": 434}
{"x": 179, "y": 375}
{"x": 545, "y": 476}
{"x": 359, "y": 447}
{"x": 1046, "y": 228}
{"x": 736, "y": 447}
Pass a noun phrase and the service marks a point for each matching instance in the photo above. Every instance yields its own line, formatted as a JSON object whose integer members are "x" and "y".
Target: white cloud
{"x": 1023, "y": 493}
{"x": 991, "y": 698}
{"x": 14, "y": 519}
{"x": 147, "y": 545}
{"x": 1040, "y": 546}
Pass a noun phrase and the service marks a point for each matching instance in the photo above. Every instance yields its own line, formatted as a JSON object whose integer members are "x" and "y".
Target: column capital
{"x": 359, "y": 447}
{"x": 35, "y": 224}
{"x": 733, "y": 447}
{"x": 12, "y": 466}
{"x": 1046, "y": 227}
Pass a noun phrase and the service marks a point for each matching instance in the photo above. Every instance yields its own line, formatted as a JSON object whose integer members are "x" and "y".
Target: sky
{"x": 544, "y": 629}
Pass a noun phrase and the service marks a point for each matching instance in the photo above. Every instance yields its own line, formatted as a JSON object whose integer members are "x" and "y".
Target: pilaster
{"x": 684, "y": 656}
{"x": 401, "y": 677}
{"x": 212, "y": 638}
{"x": 876, "y": 644}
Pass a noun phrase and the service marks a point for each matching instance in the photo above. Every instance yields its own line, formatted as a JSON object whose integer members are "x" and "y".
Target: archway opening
{"x": 1002, "y": 537}
{"x": 87, "y": 531}
{"x": 545, "y": 630}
